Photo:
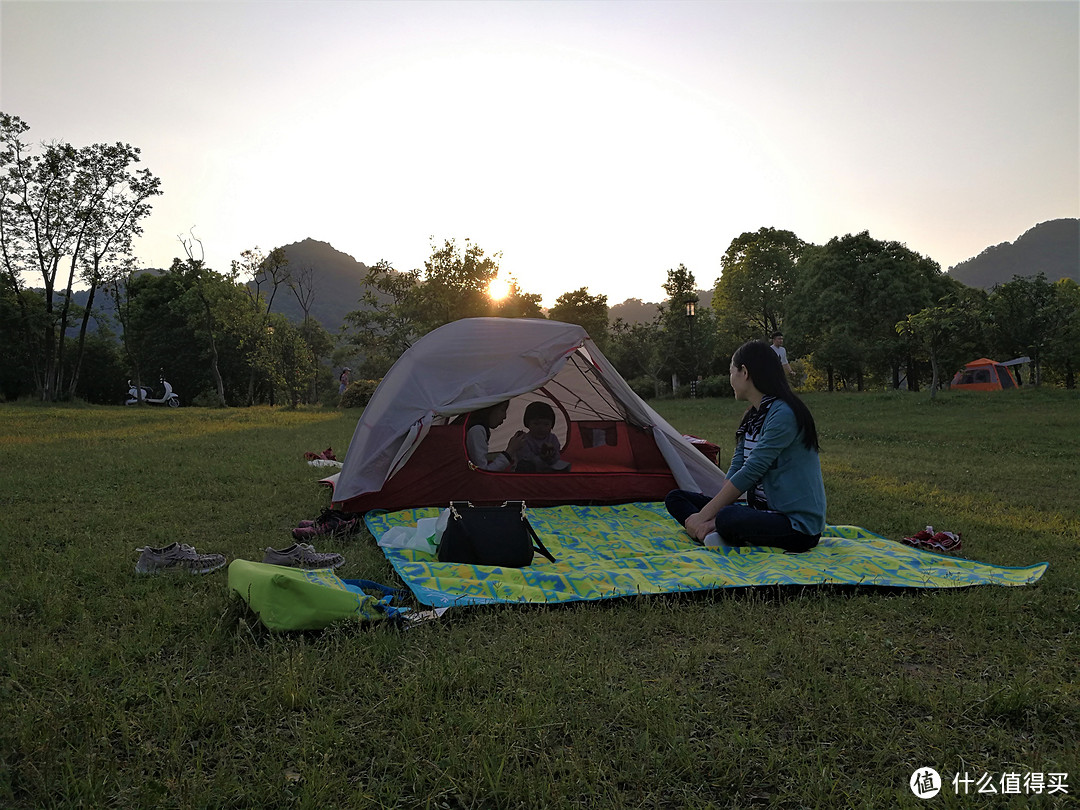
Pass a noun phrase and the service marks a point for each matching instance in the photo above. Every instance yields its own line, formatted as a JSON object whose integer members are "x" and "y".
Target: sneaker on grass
{"x": 949, "y": 542}
{"x": 922, "y": 538}
{"x": 302, "y": 555}
{"x": 178, "y": 557}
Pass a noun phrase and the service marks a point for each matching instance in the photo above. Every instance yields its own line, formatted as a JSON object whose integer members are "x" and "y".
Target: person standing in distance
{"x": 781, "y": 352}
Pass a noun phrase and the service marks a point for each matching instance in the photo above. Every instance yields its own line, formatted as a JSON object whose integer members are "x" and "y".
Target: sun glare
{"x": 498, "y": 288}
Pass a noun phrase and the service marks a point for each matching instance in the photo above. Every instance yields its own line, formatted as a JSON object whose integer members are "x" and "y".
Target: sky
{"x": 594, "y": 144}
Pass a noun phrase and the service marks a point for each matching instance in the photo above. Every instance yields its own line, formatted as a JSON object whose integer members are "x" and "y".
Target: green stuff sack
{"x": 293, "y": 599}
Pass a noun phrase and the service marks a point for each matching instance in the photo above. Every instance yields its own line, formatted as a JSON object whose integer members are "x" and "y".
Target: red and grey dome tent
{"x": 408, "y": 449}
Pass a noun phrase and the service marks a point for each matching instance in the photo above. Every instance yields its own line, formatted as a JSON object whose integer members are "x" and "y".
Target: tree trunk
{"x": 213, "y": 351}
{"x": 77, "y": 366}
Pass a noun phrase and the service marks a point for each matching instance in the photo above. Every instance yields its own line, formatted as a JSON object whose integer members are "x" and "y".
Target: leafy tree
{"x": 585, "y": 310}
{"x": 120, "y": 199}
{"x": 290, "y": 360}
{"x": 1060, "y": 353}
{"x": 398, "y": 308}
{"x": 260, "y": 276}
{"x": 388, "y": 321}
{"x": 77, "y": 208}
{"x": 22, "y": 323}
{"x": 518, "y": 304}
{"x": 637, "y": 350}
{"x": 1022, "y": 316}
{"x": 847, "y": 298}
{"x": 947, "y": 332}
{"x": 758, "y": 274}
{"x": 103, "y": 364}
{"x": 456, "y": 284}
{"x": 689, "y": 340}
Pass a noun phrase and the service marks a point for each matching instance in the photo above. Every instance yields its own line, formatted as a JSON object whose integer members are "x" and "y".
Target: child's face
{"x": 539, "y": 427}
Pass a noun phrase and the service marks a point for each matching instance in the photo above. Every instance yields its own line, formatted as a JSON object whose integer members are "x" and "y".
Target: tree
{"x": 847, "y": 298}
{"x": 1060, "y": 353}
{"x": 518, "y": 304}
{"x": 587, "y": 311}
{"x": 260, "y": 276}
{"x": 946, "y": 332}
{"x": 121, "y": 200}
{"x": 1022, "y": 315}
{"x": 22, "y": 323}
{"x": 398, "y": 308}
{"x": 456, "y": 284}
{"x": 637, "y": 350}
{"x": 66, "y": 206}
{"x": 757, "y": 276}
{"x": 688, "y": 339}
{"x": 389, "y": 319}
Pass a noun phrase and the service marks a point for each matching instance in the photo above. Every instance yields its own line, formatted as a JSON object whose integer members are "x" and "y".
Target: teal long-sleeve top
{"x": 789, "y": 472}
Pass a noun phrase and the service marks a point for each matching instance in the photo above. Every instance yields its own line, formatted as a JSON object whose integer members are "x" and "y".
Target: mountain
{"x": 337, "y": 278}
{"x": 634, "y": 310}
{"x": 1052, "y": 248}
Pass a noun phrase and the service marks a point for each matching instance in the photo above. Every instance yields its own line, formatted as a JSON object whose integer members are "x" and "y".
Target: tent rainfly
{"x": 408, "y": 449}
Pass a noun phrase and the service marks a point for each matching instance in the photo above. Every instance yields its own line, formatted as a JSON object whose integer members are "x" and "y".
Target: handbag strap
{"x": 539, "y": 543}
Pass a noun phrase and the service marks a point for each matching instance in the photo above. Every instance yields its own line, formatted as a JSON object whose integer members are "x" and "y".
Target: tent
{"x": 408, "y": 449}
{"x": 985, "y": 375}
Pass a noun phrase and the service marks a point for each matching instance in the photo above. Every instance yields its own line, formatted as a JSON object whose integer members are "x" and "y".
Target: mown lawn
{"x": 124, "y": 691}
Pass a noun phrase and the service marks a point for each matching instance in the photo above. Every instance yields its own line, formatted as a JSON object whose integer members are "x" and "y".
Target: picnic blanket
{"x": 611, "y": 551}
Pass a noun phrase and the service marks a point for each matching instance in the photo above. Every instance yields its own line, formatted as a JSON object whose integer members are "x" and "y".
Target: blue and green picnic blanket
{"x": 610, "y": 551}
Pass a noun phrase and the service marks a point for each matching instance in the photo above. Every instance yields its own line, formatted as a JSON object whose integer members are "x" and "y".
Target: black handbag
{"x": 490, "y": 535}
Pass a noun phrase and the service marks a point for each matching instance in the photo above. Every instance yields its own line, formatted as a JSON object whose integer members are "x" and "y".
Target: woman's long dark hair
{"x": 767, "y": 374}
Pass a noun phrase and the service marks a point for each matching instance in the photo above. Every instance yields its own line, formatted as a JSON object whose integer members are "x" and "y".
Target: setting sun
{"x": 499, "y": 288}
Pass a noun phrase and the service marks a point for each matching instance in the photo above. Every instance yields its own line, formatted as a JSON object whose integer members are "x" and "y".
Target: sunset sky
{"x": 591, "y": 143}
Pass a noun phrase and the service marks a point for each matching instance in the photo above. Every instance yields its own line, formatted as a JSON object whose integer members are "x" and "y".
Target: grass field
{"x": 124, "y": 691}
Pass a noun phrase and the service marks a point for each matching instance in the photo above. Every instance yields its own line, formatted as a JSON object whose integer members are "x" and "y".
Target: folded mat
{"x": 610, "y": 551}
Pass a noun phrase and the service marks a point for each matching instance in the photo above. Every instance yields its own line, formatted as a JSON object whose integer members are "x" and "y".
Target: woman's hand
{"x": 697, "y": 527}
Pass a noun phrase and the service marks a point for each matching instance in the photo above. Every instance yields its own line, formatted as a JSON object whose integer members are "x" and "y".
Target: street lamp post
{"x": 691, "y": 311}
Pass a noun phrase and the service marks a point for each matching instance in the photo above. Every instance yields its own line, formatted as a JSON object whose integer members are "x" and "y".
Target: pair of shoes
{"x": 331, "y": 521}
{"x": 949, "y": 542}
{"x": 302, "y": 555}
{"x": 922, "y": 538}
{"x": 177, "y": 557}
{"x": 327, "y": 454}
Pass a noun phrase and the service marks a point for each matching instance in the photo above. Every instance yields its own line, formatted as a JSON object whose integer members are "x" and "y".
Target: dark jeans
{"x": 740, "y": 525}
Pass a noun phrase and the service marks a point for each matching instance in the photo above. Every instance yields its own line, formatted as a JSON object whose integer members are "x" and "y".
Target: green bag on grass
{"x": 294, "y": 599}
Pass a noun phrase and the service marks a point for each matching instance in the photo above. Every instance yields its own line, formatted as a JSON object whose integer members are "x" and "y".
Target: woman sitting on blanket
{"x": 775, "y": 463}
{"x": 478, "y": 434}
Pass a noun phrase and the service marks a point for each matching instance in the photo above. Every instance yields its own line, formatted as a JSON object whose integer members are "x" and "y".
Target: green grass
{"x": 126, "y": 691}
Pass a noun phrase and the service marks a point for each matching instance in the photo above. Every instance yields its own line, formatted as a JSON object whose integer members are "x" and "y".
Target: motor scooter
{"x": 168, "y": 397}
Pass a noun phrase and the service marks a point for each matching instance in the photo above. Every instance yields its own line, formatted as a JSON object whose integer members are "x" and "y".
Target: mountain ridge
{"x": 1051, "y": 248}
